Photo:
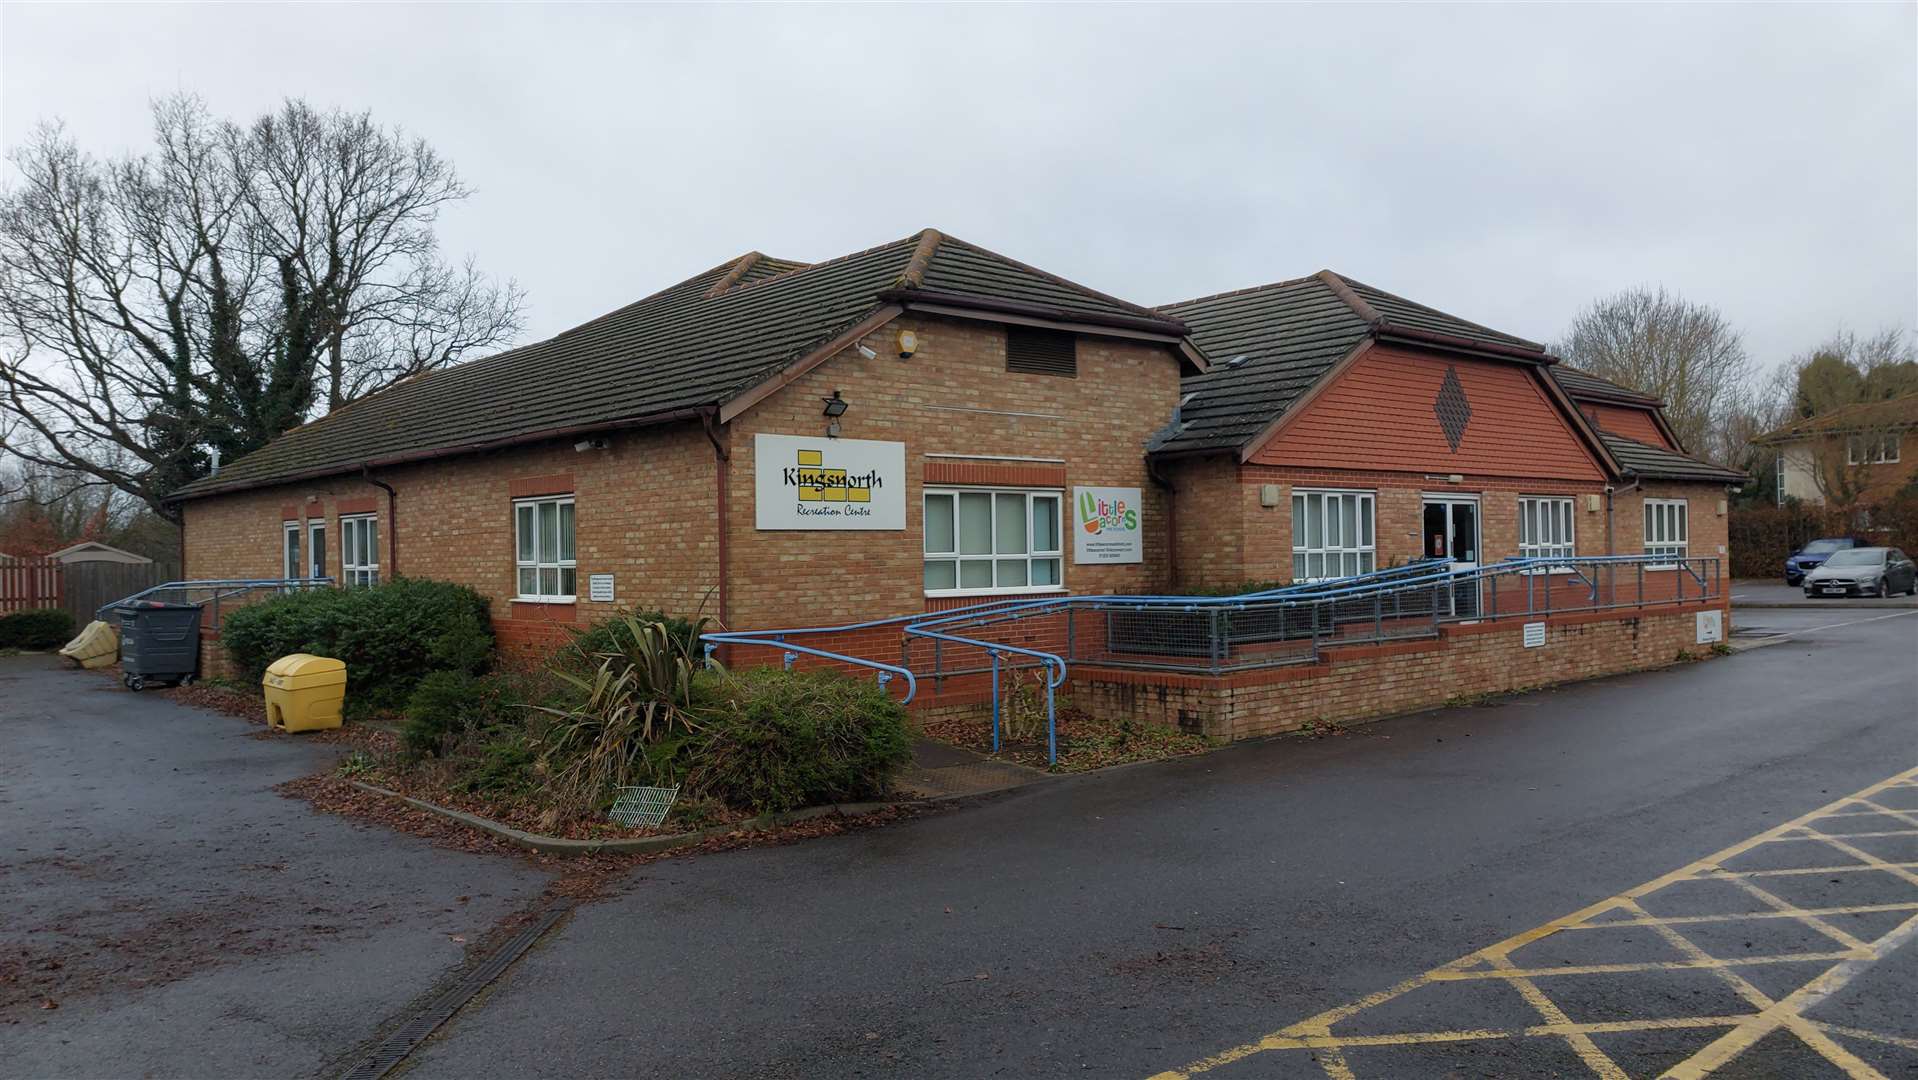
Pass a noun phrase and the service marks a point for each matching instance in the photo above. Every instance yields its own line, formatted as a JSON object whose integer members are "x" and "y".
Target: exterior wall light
{"x": 835, "y": 405}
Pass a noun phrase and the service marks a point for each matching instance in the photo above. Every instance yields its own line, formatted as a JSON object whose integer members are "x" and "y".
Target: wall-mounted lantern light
{"x": 836, "y": 407}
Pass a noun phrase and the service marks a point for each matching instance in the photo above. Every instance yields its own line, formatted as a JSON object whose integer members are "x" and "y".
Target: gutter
{"x": 412, "y": 456}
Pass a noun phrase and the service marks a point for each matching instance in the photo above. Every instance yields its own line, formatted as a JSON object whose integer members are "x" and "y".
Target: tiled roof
{"x": 1289, "y": 335}
{"x": 1582, "y": 385}
{"x": 1658, "y": 463}
{"x": 1898, "y": 412}
{"x": 691, "y": 346}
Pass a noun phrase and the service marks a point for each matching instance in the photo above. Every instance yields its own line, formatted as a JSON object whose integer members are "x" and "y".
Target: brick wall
{"x": 1371, "y": 681}
{"x": 954, "y": 396}
{"x": 643, "y": 511}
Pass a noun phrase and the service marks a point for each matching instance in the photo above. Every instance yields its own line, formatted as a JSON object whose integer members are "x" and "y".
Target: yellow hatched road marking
{"x": 1743, "y": 1031}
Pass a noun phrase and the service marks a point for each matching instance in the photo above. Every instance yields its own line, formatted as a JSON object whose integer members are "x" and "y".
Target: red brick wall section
{"x": 1379, "y": 414}
{"x": 953, "y": 396}
{"x": 1368, "y": 682}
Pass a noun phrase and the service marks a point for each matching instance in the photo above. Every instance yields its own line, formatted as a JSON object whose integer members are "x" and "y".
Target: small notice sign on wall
{"x": 1534, "y": 635}
{"x": 1711, "y": 627}
{"x": 599, "y": 588}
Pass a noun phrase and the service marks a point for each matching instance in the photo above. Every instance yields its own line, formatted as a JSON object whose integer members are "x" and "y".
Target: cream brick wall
{"x": 954, "y": 396}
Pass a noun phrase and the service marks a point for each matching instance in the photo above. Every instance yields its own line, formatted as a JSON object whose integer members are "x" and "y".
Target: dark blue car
{"x": 1813, "y": 555}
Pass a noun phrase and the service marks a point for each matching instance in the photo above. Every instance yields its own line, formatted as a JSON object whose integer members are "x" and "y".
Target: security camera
{"x": 589, "y": 444}
{"x": 865, "y": 350}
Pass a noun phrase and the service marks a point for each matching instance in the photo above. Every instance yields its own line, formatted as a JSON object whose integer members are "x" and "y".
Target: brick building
{"x": 927, "y": 423}
{"x": 1341, "y": 429}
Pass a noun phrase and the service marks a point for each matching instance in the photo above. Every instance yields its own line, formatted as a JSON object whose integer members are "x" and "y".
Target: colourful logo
{"x": 1098, "y": 515}
{"x": 816, "y": 483}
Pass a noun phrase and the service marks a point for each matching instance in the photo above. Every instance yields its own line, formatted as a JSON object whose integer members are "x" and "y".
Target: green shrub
{"x": 504, "y": 765}
{"x": 449, "y": 704}
{"x": 633, "y": 715}
{"x": 390, "y": 636}
{"x": 612, "y": 637}
{"x": 786, "y": 739}
{"x": 36, "y": 628}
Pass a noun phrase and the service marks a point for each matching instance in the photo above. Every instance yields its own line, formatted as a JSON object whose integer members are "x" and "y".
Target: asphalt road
{"x": 184, "y": 918}
{"x": 1775, "y": 593}
{"x": 1160, "y": 917}
{"x": 1143, "y": 919}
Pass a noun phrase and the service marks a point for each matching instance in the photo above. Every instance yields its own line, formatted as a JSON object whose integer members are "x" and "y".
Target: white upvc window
{"x": 1545, "y": 529}
{"x": 316, "y": 548}
{"x": 360, "y": 550}
{"x": 1872, "y": 449}
{"x": 1667, "y": 527}
{"x": 989, "y": 540}
{"x": 290, "y": 564}
{"x": 1332, "y": 534}
{"x": 543, "y": 531}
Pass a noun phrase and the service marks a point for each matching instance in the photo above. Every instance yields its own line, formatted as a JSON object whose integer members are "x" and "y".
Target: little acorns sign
{"x": 1106, "y": 525}
{"x": 804, "y": 482}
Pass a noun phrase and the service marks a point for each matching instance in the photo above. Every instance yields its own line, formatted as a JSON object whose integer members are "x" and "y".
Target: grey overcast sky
{"x": 1506, "y": 163}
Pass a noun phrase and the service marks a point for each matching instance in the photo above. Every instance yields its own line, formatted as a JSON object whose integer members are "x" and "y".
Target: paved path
{"x": 186, "y": 919}
{"x": 1152, "y": 919}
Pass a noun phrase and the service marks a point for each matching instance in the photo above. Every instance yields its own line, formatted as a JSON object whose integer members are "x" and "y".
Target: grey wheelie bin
{"x": 158, "y": 642}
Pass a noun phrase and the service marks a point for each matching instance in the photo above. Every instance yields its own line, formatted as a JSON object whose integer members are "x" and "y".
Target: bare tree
{"x": 222, "y": 288}
{"x": 1684, "y": 353}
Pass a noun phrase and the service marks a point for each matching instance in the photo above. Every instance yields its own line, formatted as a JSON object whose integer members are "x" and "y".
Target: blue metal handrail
{"x": 886, "y": 671}
{"x": 222, "y": 588}
{"x": 1418, "y": 575}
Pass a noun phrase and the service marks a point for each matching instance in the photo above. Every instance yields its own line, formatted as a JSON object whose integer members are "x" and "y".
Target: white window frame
{"x": 537, "y": 561}
{"x": 1332, "y": 543}
{"x": 1874, "y": 455}
{"x": 292, "y": 547}
{"x": 316, "y": 553}
{"x": 1561, "y": 511}
{"x": 1034, "y": 552}
{"x": 1667, "y": 530}
{"x": 364, "y": 570}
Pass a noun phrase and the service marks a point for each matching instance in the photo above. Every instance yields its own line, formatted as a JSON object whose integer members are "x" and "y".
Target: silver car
{"x": 1872, "y": 571}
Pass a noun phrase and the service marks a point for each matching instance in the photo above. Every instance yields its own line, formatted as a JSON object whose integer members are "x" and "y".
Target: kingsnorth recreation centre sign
{"x": 802, "y": 482}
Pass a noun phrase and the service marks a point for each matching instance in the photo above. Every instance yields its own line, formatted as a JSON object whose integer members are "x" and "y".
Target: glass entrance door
{"x": 1451, "y": 533}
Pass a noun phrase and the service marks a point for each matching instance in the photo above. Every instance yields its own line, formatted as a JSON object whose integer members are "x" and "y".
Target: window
{"x": 316, "y": 549}
{"x": 1666, "y": 527}
{"x": 360, "y": 550}
{"x": 992, "y": 541}
{"x": 1872, "y": 450}
{"x": 290, "y": 564}
{"x": 1545, "y": 529}
{"x": 1041, "y": 352}
{"x": 544, "y": 528}
{"x": 1331, "y": 534}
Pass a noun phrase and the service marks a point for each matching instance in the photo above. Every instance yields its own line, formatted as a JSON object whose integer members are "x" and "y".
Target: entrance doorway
{"x": 1452, "y": 533}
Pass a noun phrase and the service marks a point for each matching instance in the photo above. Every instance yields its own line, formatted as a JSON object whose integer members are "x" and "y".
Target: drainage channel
{"x": 389, "y": 1053}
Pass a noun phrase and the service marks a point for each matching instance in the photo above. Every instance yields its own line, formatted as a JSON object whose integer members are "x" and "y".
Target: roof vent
{"x": 1238, "y": 361}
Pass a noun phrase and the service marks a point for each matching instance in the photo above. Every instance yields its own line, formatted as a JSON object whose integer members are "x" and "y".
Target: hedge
{"x": 1760, "y": 537}
{"x": 390, "y": 636}
{"x": 36, "y": 628}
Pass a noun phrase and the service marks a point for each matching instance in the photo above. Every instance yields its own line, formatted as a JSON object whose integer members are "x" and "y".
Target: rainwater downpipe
{"x": 1611, "y": 545}
{"x": 392, "y": 523}
{"x": 721, "y": 466}
{"x": 1171, "y": 520}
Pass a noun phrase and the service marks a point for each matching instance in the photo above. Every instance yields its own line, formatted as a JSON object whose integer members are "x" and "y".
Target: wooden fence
{"x": 26, "y": 584}
{"x": 80, "y": 587}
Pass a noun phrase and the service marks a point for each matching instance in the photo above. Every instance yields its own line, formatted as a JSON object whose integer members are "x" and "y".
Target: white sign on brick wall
{"x": 802, "y": 482}
{"x": 1711, "y": 627}
{"x": 1107, "y": 525}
